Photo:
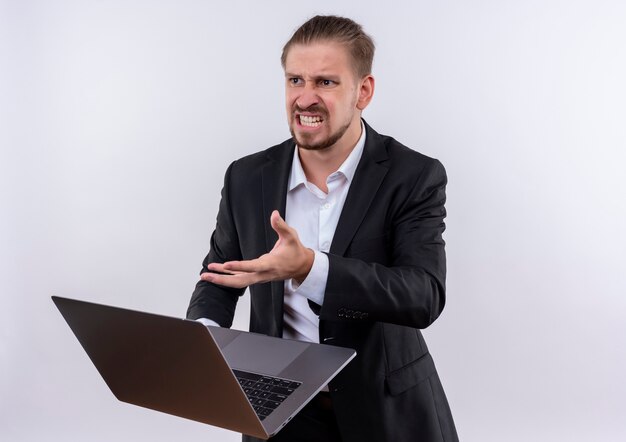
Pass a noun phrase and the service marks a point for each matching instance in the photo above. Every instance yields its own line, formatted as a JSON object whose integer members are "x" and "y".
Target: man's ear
{"x": 366, "y": 92}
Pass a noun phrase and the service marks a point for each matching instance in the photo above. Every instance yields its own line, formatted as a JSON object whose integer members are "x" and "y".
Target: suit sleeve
{"x": 209, "y": 300}
{"x": 411, "y": 289}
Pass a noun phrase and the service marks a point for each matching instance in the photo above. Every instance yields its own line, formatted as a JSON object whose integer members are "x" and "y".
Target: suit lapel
{"x": 369, "y": 175}
{"x": 275, "y": 179}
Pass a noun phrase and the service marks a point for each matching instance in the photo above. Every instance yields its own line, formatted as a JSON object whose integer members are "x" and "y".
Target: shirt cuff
{"x": 314, "y": 285}
{"x": 207, "y": 322}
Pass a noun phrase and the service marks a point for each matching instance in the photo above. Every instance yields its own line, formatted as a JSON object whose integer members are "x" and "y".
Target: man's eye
{"x": 327, "y": 82}
{"x": 295, "y": 80}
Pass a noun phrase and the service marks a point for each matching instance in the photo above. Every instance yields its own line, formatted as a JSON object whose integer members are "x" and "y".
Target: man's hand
{"x": 288, "y": 259}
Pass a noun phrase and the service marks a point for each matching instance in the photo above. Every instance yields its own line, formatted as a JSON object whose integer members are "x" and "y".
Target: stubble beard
{"x": 323, "y": 144}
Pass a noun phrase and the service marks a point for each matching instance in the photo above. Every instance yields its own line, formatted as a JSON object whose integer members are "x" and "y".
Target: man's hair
{"x": 330, "y": 28}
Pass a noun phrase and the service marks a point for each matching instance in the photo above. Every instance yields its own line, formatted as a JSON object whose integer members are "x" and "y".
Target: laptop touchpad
{"x": 262, "y": 354}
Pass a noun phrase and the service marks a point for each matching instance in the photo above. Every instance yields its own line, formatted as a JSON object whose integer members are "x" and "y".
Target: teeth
{"x": 310, "y": 121}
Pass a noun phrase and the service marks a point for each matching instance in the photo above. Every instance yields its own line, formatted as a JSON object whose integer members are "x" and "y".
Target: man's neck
{"x": 319, "y": 164}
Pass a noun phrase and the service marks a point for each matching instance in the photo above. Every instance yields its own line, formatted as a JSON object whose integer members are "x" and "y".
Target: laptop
{"x": 245, "y": 382}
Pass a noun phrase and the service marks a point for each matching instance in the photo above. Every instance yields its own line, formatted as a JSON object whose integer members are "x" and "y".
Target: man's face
{"x": 322, "y": 92}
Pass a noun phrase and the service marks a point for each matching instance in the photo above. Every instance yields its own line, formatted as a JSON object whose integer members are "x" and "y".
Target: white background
{"x": 118, "y": 119}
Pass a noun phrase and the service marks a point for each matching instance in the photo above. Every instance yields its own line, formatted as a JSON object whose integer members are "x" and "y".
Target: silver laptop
{"x": 245, "y": 382}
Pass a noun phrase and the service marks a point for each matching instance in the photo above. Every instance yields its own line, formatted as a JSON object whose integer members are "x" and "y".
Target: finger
{"x": 210, "y": 277}
{"x": 218, "y": 267}
{"x": 205, "y": 276}
{"x": 279, "y": 225}
{"x": 251, "y": 266}
{"x": 224, "y": 280}
{"x": 235, "y": 281}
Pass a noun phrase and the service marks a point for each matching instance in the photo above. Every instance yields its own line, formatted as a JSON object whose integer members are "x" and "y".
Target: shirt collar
{"x": 347, "y": 168}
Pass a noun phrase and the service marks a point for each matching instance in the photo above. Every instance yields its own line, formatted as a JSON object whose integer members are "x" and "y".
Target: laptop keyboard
{"x": 265, "y": 393}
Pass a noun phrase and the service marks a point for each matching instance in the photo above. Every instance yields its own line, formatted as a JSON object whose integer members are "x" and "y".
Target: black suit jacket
{"x": 386, "y": 281}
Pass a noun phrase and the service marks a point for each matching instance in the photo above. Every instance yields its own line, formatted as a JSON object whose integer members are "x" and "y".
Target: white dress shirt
{"x": 314, "y": 214}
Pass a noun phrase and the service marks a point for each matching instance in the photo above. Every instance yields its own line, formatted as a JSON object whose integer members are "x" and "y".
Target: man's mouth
{"x": 310, "y": 121}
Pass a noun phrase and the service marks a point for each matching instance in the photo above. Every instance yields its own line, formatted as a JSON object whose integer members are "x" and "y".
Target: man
{"x": 358, "y": 260}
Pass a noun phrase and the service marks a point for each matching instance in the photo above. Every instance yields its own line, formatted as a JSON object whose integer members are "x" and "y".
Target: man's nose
{"x": 308, "y": 97}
